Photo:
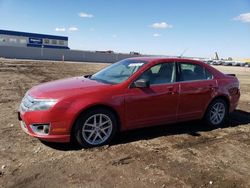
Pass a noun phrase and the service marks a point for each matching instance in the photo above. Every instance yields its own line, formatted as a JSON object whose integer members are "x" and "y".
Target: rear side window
{"x": 209, "y": 76}
{"x": 189, "y": 72}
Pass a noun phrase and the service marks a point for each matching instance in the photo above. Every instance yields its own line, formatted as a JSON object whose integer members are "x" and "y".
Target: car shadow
{"x": 71, "y": 146}
{"x": 193, "y": 128}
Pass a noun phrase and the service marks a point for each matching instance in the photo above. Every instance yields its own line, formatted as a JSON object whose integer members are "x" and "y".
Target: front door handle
{"x": 170, "y": 90}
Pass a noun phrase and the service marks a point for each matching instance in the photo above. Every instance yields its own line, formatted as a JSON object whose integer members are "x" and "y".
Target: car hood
{"x": 66, "y": 87}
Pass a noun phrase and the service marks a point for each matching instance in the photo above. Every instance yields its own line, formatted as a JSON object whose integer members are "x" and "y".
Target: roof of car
{"x": 161, "y": 58}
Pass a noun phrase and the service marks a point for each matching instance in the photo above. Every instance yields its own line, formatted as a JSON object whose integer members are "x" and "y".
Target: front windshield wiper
{"x": 100, "y": 80}
{"x": 87, "y": 76}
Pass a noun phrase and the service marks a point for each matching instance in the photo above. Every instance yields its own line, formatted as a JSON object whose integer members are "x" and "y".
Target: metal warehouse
{"x": 23, "y": 39}
{"x": 24, "y": 45}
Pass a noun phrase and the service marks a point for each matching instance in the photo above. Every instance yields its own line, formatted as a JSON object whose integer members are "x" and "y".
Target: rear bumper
{"x": 233, "y": 106}
{"x": 56, "y": 133}
{"x": 234, "y": 102}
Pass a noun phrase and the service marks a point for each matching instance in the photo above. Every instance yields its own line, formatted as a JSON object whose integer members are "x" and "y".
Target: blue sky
{"x": 164, "y": 27}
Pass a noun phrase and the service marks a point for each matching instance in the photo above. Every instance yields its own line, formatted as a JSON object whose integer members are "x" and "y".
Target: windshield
{"x": 118, "y": 72}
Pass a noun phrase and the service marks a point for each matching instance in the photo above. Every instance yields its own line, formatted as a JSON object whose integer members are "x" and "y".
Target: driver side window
{"x": 160, "y": 74}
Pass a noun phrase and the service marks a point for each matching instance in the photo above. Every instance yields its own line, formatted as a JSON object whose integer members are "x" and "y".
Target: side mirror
{"x": 141, "y": 83}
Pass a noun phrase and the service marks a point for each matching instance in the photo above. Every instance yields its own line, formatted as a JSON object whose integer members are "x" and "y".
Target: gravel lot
{"x": 188, "y": 154}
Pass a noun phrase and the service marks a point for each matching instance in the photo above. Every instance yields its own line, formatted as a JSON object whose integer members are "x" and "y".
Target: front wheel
{"x": 217, "y": 113}
{"x": 95, "y": 128}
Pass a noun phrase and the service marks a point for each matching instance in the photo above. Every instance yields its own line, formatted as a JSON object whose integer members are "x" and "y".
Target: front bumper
{"x": 58, "y": 131}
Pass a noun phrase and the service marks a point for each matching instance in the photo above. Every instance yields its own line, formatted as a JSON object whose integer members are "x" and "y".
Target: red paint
{"x": 135, "y": 107}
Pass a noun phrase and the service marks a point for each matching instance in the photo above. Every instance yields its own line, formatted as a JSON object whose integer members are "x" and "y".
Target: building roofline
{"x": 35, "y": 35}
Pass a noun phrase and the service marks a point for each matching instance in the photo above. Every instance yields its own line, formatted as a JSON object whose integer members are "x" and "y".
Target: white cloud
{"x": 72, "y": 29}
{"x": 63, "y": 29}
{"x": 156, "y": 35}
{"x": 85, "y": 15}
{"x": 60, "y": 29}
{"x": 161, "y": 25}
{"x": 245, "y": 18}
{"x": 114, "y": 36}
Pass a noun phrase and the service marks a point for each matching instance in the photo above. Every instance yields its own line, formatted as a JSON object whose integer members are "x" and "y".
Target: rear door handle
{"x": 212, "y": 87}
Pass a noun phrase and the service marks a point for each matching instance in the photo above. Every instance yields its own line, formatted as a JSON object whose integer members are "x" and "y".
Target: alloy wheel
{"x": 217, "y": 113}
{"x": 97, "y": 129}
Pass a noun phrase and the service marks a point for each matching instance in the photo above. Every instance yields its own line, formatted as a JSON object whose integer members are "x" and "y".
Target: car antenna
{"x": 184, "y": 51}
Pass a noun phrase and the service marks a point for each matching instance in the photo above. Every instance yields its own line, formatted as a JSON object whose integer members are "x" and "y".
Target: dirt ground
{"x": 188, "y": 154}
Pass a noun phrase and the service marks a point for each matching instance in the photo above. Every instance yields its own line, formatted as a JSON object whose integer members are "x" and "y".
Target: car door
{"x": 196, "y": 90}
{"x": 156, "y": 104}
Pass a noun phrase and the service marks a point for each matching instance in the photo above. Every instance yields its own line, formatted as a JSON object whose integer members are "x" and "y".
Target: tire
{"x": 217, "y": 113}
{"x": 95, "y": 128}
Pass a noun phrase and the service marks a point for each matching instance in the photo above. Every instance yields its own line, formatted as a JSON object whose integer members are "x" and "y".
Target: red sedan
{"x": 130, "y": 94}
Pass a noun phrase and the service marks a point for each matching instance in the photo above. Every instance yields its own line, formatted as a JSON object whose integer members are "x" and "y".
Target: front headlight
{"x": 42, "y": 104}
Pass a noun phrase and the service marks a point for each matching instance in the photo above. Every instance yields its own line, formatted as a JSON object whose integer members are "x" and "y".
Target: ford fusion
{"x": 130, "y": 94}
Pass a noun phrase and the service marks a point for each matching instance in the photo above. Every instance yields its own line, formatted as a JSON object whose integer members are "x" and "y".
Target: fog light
{"x": 41, "y": 129}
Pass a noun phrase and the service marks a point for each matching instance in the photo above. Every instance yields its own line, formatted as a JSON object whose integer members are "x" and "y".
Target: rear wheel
{"x": 217, "y": 113}
{"x": 95, "y": 128}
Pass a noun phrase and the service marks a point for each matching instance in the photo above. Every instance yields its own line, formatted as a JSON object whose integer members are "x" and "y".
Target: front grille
{"x": 26, "y": 103}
